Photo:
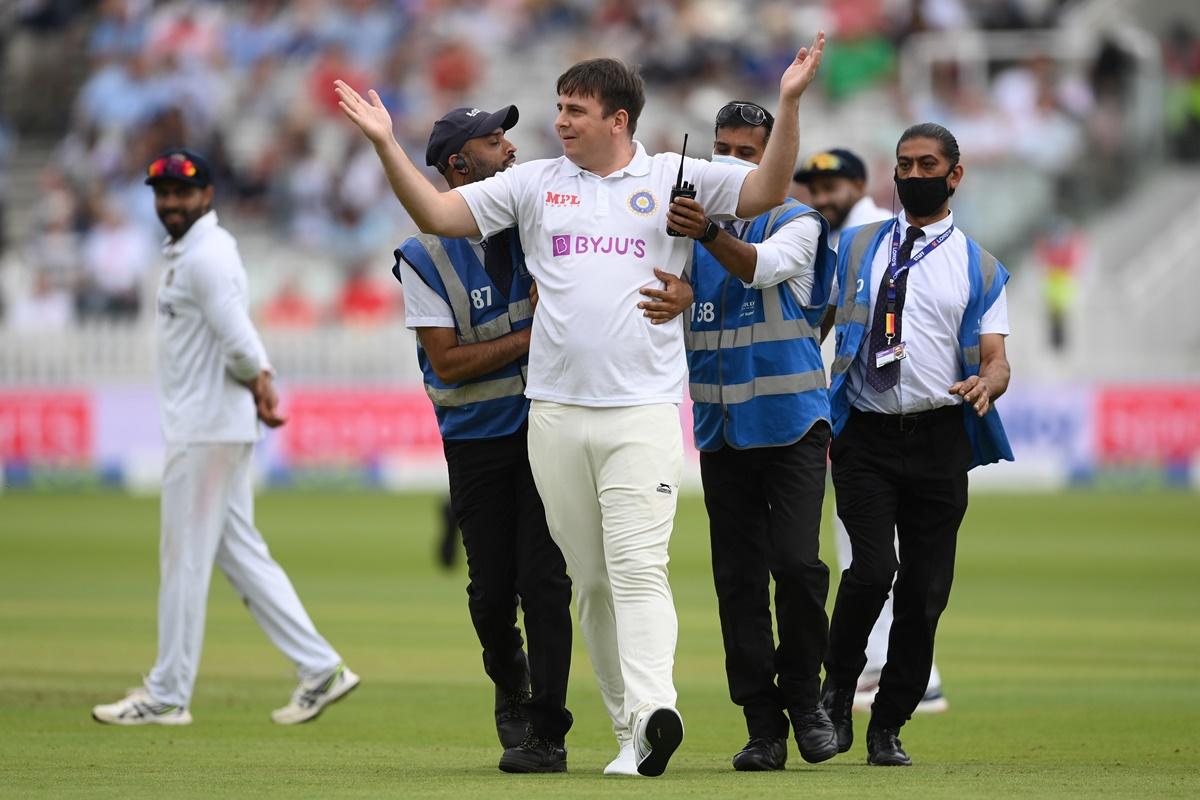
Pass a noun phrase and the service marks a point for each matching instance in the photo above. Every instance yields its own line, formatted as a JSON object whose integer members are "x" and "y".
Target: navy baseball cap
{"x": 180, "y": 165}
{"x": 452, "y": 131}
{"x": 837, "y": 162}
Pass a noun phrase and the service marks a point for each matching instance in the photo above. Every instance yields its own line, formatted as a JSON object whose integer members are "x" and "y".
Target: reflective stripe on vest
{"x": 476, "y": 392}
{"x": 734, "y": 393}
{"x": 460, "y": 300}
{"x": 849, "y": 310}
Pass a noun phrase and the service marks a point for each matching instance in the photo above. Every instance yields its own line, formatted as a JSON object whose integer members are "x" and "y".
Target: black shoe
{"x": 814, "y": 734}
{"x": 761, "y": 754}
{"x": 534, "y": 754}
{"x": 512, "y": 724}
{"x": 883, "y": 748}
{"x": 839, "y": 705}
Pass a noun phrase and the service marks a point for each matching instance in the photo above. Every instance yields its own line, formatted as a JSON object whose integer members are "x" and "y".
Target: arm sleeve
{"x": 717, "y": 186}
{"x": 995, "y": 319}
{"x": 220, "y": 289}
{"x": 495, "y": 202}
{"x": 788, "y": 255}
{"x": 423, "y": 307}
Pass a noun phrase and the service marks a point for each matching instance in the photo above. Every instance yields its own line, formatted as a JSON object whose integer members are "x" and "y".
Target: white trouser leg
{"x": 639, "y": 465}
{"x": 877, "y": 642}
{"x": 244, "y": 558}
{"x": 194, "y": 505}
{"x": 562, "y": 470}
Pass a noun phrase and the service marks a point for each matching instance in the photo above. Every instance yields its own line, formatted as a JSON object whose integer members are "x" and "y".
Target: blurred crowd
{"x": 248, "y": 83}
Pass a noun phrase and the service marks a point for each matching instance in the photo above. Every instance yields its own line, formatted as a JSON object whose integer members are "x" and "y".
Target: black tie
{"x": 885, "y": 377}
{"x": 497, "y": 261}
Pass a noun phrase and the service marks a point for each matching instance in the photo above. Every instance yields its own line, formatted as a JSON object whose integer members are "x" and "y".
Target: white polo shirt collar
{"x": 639, "y": 165}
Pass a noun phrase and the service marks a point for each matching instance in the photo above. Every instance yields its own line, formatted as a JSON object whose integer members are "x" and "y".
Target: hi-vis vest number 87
{"x": 494, "y": 404}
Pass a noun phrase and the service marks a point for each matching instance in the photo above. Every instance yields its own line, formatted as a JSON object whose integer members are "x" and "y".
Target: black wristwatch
{"x": 710, "y": 233}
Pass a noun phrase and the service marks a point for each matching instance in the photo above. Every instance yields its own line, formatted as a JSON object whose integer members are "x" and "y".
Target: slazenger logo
{"x": 566, "y": 244}
{"x": 560, "y": 200}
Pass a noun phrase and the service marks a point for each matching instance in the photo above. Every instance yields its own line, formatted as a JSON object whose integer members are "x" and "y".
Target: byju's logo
{"x": 566, "y": 245}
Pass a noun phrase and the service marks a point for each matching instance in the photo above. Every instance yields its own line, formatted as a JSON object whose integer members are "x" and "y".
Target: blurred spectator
{"x": 8, "y": 146}
{"x": 454, "y": 70}
{"x": 46, "y": 308}
{"x": 53, "y": 251}
{"x": 1181, "y": 61}
{"x": 190, "y": 32}
{"x": 116, "y": 256}
{"x": 289, "y": 308}
{"x": 364, "y": 300}
{"x": 1061, "y": 253}
{"x": 331, "y": 64}
{"x": 119, "y": 30}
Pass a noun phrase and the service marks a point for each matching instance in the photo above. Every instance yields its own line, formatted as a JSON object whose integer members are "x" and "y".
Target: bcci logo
{"x": 642, "y": 203}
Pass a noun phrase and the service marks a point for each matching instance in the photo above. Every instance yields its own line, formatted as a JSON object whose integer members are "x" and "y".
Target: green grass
{"x": 1070, "y": 654}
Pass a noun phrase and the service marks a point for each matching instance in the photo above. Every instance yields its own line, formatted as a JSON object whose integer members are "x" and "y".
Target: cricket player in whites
{"x": 215, "y": 386}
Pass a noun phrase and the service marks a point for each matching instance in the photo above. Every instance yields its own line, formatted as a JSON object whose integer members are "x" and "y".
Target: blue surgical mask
{"x": 719, "y": 159}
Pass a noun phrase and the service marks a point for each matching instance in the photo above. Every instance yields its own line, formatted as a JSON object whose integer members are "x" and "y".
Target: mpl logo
{"x": 561, "y": 200}
{"x": 566, "y": 244}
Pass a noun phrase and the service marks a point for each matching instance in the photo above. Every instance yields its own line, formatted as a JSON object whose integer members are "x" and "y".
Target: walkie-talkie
{"x": 681, "y": 188}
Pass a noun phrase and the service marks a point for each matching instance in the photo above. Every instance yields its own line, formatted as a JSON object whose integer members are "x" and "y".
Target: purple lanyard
{"x": 894, "y": 273}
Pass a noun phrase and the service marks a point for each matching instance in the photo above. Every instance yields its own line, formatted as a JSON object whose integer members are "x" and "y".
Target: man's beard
{"x": 180, "y": 221}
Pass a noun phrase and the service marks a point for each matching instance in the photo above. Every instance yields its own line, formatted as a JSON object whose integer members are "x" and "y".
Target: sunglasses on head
{"x": 173, "y": 166}
{"x": 751, "y": 114}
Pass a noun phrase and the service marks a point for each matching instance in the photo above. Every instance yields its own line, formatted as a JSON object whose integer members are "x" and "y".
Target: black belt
{"x": 908, "y": 422}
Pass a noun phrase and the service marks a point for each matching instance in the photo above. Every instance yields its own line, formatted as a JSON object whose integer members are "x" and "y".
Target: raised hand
{"x": 803, "y": 69}
{"x": 372, "y": 118}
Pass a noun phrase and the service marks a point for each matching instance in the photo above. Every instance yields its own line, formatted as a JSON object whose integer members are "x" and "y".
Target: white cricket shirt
{"x": 205, "y": 339}
{"x": 934, "y": 302}
{"x": 592, "y": 244}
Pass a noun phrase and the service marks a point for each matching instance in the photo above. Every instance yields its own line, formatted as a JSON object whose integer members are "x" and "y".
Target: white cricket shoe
{"x": 625, "y": 763}
{"x": 656, "y": 736}
{"x": 139, "y": 708}
{"x": 311, "y": 697}
{"x": 934, "y": 702}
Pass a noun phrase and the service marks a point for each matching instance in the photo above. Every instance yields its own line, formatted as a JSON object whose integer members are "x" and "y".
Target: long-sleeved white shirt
{"x": 206, "y": 342}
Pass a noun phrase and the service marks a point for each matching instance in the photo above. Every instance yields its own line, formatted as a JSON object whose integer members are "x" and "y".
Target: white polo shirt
{"x": 935, "y": 299}
{"x": 205, "y": 339}
{"x": 592, "y": 244}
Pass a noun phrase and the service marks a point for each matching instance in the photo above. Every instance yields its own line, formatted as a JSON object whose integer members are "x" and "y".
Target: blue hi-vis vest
{"x": 987, "y": 277}
{"x": 491, "y": 405}
{"x": 754, "y": 355}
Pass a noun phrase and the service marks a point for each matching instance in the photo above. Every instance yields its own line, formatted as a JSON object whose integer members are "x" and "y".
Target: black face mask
{"x": 922, "y": 197}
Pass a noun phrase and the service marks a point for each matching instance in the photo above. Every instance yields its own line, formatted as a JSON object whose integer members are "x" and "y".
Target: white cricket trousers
{"x": 609, "y": 479}
{"x": 208, "y": 515}
{"x": 877, "y": 642}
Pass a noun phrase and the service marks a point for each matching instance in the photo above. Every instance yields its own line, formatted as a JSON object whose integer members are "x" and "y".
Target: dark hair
{"x": 615, "y": 85}
{"x": 733, "y": 115}
{"x": 931, "y": 130}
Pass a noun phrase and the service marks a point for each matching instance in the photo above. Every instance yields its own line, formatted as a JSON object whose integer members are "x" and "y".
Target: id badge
{"x": 888, "y": 355}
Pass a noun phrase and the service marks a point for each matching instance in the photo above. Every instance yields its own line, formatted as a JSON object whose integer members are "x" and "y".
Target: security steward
{"x": 761, "y": 423}
{"x": 471, "y": 308}
{"x": 921, "y": 317}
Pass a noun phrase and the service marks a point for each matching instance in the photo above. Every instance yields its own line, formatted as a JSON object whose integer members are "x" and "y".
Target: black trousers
{"x": 511, "y": 558}
{"x": 902, "y": 477}
{"x": 764, "y": 512}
